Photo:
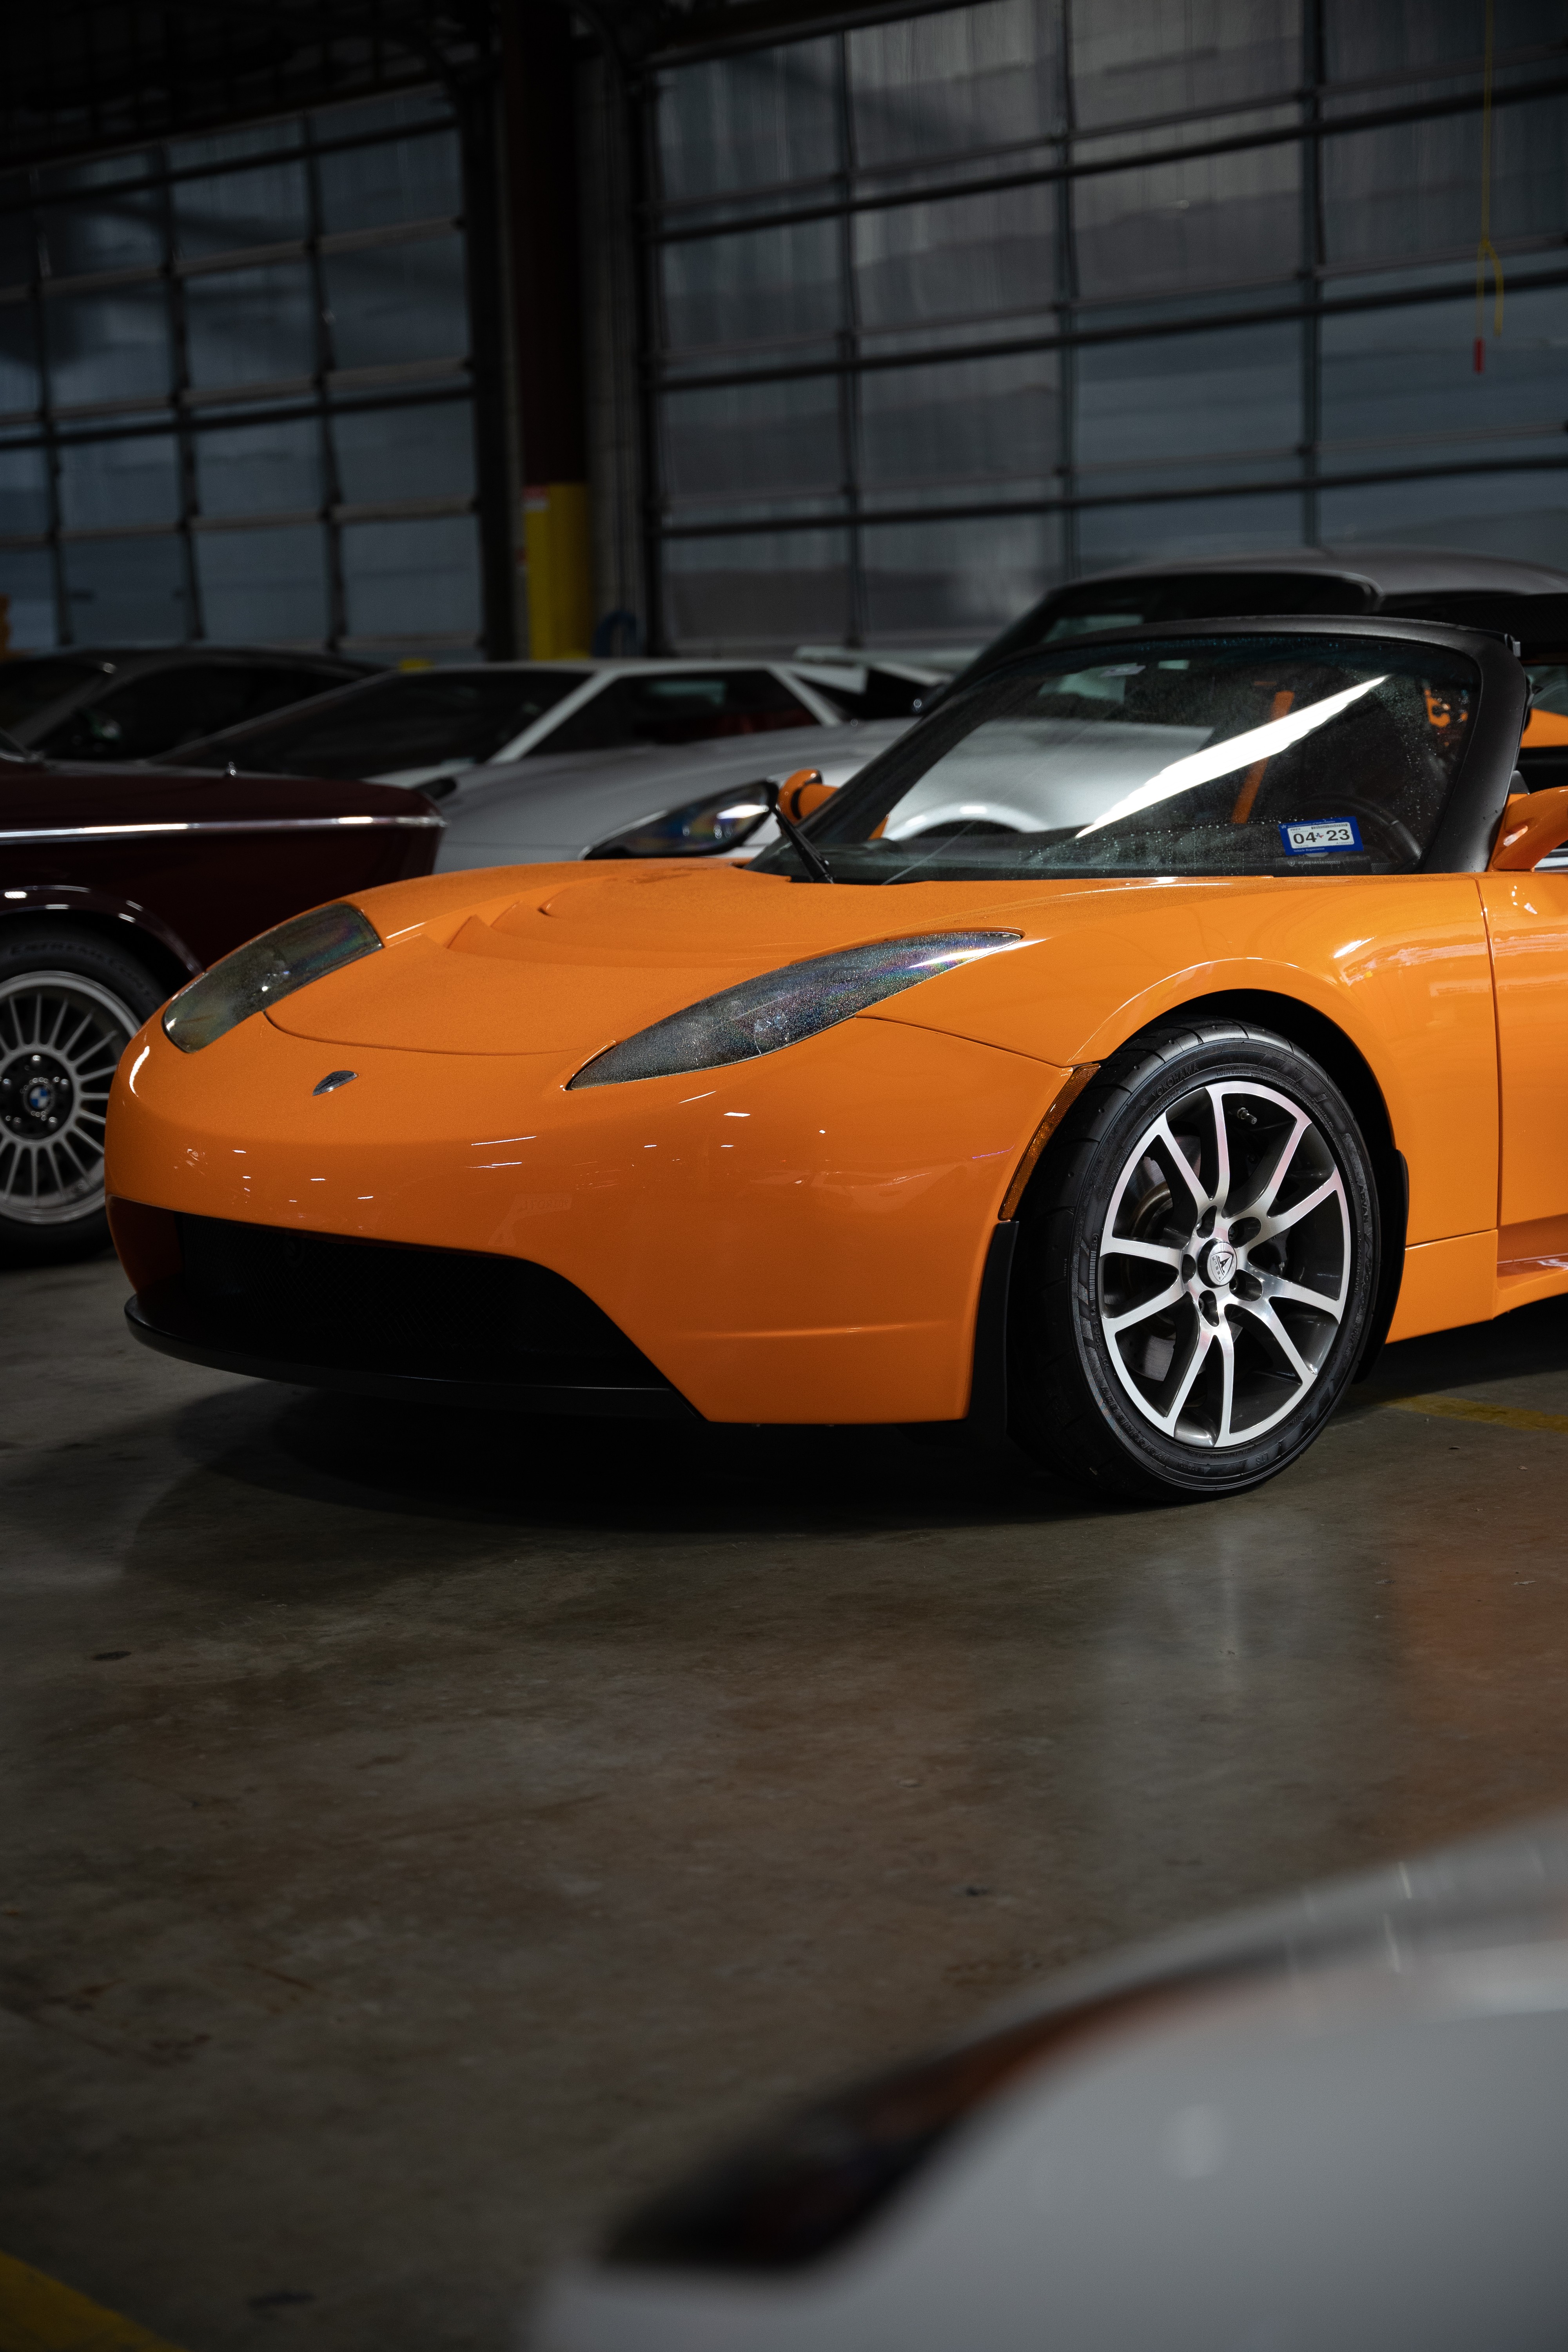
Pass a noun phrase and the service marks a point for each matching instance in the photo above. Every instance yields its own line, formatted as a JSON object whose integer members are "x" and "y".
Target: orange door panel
{"x": 1527, "y": 915}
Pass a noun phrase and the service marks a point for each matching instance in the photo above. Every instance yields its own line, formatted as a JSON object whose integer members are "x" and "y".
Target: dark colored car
{"x": 109, "y": 702}
{"x": 1526, "y": 602}
{"x": 116, "y": 887}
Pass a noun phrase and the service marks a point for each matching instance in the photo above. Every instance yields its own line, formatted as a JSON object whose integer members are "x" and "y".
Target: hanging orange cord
{"x": 1486, "y": 250}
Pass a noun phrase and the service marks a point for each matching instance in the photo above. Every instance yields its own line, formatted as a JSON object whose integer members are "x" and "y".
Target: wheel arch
{"x": 1337, "y": 1054}
{"x": 131, "y": 929}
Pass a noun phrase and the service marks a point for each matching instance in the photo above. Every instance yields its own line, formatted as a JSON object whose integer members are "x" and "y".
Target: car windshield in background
{"x": 31, "y": 685}
{"x": 1218, "y": 755}
{"x": 416, "y": 719}
{"x": 687, "y": 706}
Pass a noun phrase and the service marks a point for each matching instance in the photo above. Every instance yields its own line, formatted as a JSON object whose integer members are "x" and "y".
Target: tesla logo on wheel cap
{"x": 1222, "y": 1262}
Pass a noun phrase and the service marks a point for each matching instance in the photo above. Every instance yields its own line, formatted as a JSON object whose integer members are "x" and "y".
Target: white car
{"x": 424, "y": 727}
{"x": 1339, "y": 2123}
{"x": 702, "y": 799}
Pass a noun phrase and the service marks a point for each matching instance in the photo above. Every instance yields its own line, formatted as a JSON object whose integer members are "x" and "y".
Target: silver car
{"x": 1335, "y": 2124}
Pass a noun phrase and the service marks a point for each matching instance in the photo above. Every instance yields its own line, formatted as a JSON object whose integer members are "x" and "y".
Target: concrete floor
{"x": 421, "y": 1835}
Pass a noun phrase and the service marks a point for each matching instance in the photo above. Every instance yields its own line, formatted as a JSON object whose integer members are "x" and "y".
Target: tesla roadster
{"x": 1125, "y": 1053}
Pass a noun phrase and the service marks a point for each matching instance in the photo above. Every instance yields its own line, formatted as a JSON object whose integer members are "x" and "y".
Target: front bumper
{"x": 797, "y": 1239}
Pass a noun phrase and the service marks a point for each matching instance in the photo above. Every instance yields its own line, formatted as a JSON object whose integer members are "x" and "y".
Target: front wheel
{"x": 1198, "y": 1268}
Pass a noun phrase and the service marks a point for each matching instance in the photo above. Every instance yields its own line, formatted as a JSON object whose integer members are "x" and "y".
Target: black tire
{"x": 1127, "y": 1286}
{"x": 69, "y": 1004}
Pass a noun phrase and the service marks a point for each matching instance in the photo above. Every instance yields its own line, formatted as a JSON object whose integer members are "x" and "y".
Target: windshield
{"x": 1255, "y": 754}
{"x": 415, "y": 718}
{"x": 32, "y": 684}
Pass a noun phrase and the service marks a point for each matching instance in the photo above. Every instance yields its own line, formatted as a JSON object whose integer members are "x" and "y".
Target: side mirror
{"x": 1533, "y": 825}
{"x": 802, "y": 792}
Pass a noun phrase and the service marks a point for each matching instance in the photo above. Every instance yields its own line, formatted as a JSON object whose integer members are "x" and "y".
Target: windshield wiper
{"x": 815, "y": 865}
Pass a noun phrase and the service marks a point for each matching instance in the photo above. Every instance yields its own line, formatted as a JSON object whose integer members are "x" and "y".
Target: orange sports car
{"x": 1159, "y": 1025}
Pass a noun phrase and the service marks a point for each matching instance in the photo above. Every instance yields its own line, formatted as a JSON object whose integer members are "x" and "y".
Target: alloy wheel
{"x": 61, "y": 1037}
{"x": 1224, "y": 1264}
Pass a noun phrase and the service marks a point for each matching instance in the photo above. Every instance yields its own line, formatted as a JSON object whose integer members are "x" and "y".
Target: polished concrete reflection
{"x": 422, "y": 1834}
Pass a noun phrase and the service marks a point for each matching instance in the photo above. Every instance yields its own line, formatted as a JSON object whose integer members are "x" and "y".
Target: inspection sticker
{"x": 1320, "y": 836}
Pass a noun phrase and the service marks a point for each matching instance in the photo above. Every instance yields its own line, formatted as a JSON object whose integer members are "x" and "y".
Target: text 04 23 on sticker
{"x": 1320, "y": 836}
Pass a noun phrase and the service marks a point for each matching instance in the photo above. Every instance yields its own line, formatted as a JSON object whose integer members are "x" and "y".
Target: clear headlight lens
{"x": 783, "y": 1007}
{"x": 265, "y": 972}
{"x": 724, "y": 820}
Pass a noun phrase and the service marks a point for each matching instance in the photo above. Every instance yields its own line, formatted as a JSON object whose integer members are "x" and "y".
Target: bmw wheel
{"x": 68, "y": 1008}
{"x": 1198, "y": 1268}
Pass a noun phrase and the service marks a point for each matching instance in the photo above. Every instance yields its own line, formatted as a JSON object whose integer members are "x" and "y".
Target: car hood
{"x": 567, "y": 959}
{"x": 542, "y": 809}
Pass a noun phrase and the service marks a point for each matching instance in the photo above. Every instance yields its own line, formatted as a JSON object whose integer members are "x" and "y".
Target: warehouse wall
{"x": 235, "y": 388}
{"x": 946, "y": 309}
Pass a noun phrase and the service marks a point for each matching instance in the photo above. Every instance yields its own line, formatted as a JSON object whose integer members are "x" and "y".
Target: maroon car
{"x": 116, "y": 885}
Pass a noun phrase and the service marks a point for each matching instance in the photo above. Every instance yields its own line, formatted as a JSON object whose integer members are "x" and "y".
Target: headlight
{"x": 263, "y": 973}
{"x": 783, "y": 1007}
{"x": 724, "y": 820}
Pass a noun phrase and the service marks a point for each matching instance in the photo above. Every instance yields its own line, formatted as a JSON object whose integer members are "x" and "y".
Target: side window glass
{"x": 156, "y": 712}
{"x": 680, "y": 707}
{"x": 274, "y": 689}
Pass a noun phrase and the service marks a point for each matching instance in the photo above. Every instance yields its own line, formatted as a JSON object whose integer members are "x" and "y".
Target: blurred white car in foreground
{"x": 1336, "y": 2124}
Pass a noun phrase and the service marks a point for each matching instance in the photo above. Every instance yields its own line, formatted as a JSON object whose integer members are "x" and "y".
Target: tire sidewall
{"x": 1152, "y": 1459}
{"x": 31, "y": 945}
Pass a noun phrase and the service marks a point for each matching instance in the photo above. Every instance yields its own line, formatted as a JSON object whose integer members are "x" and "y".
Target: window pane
{"x": 406, "y": 180}
{"x": 754, "y": 440}
{"x": 1180, "y": 396}
{"x": 965, "y": 257}
{"x": 263, "y": 587}
{"x": 1108, "y": 536}
{"x": 770, "y": 286}
{"x": 968, "y": 78}
{"x": 1520, "y": 515}
{"x": 748, "y": 121}
{"x": 406, "y": 453}
{"x": 956, "y": 584}
{"x": 770, "y": 591}
{"x": 126, "y": 234}
{"x": 27, "y": 582}
{"x": 157, "y": 712}
{"x": 1138, "y": 57}
{"x": 107, "y": 346}
{"x": 1399, "y": 36}
{"x": 18, "y": 358}
{"x": 410, "y": 721}
{"x": 1414, "y": 188}
{"x": 251, "y": 326}
{"x": 241, "y": 208}
{"x": 399, "y": 302}
{"x": 23, "y": 492}
{"x": 18, "y": 245}
{"x": 126, "y": 591}
{"x": 1217, "y": 220}
{"x": 959, "y": 420}
{"x": 679, "y": 709}
{"x": 105, "y": 483}
{"x": 259, "y": 469}
{"x": 1405, "y": 373}
{"x": 411, "y": 579}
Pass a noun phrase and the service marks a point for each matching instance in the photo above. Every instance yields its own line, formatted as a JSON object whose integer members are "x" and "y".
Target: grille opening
{"x": 386, "y": 1307}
